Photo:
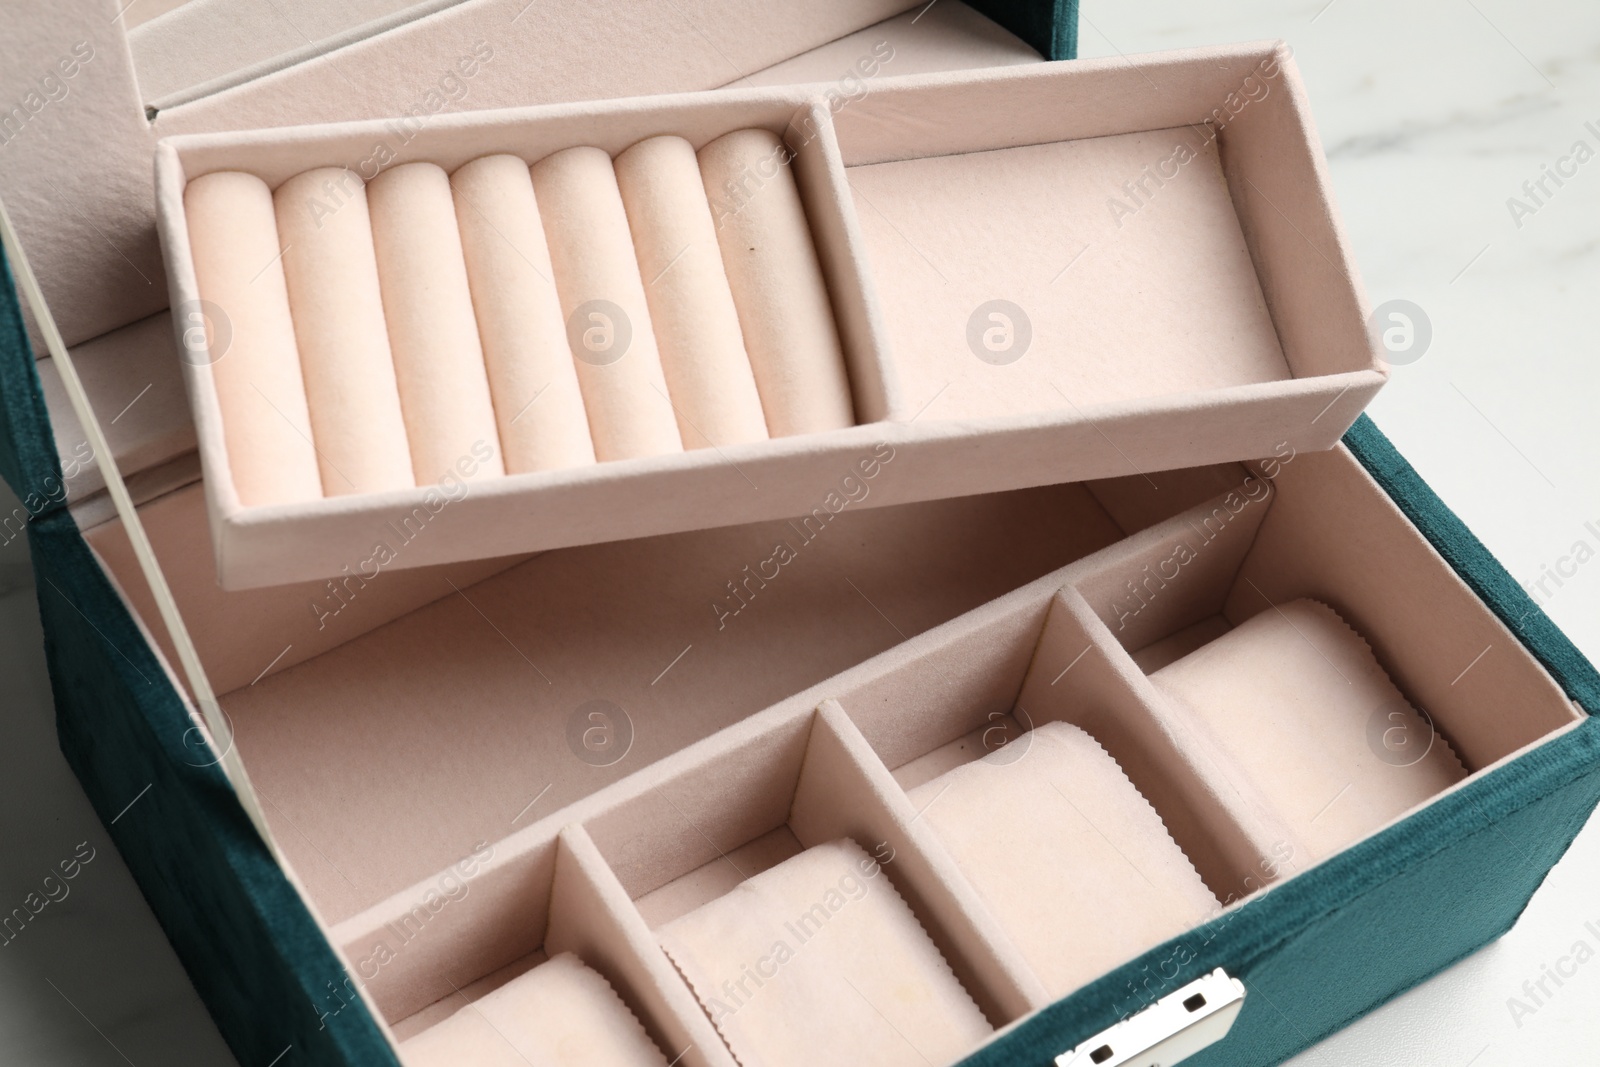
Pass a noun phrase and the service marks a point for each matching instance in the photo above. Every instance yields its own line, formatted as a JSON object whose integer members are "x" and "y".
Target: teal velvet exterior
{"x": 256, "y": 957}
{"x": 28, "y": 459}
{"x": 1050, "y": 27}
{"x": 253, "y": 951}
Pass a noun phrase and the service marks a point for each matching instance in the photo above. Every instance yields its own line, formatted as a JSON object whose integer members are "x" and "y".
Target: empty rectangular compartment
{"x": 1034, "y": 255}
{"x": 1099, "y": 306}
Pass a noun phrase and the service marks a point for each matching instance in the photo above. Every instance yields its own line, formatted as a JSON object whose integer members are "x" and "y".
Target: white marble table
{"x": 1434, "y": 113}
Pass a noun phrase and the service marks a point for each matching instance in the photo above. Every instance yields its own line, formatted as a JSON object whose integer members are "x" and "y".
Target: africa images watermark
{"x": 1537, "y": 192}
{"x": 1141, "y": 191}
{"x": 450, "y": 887}
{"x": 1537, "y": 993}
{"x": 451, "y": 87}
{"x": 452, "y": 487}
{"x": 52, "y": 492}
{"x": 600, "y": 732}
{"x": 1157, "y": 980}
{"x": 853, "y": 488}
{"x": 53, "y": 889}
{"x": 1145, "y": 587}
{"x": 52, "y": 88}
{"x": 1553, "y": 576}
{"x": 850, "y": 87}
{"x": 851, "y": 887}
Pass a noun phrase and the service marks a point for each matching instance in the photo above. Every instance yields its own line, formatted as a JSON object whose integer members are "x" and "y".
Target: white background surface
{"x": 1433, "y": 114}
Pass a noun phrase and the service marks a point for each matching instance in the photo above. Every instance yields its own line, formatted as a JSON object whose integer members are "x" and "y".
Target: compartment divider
{"x": 836, "y": 234}
{"x": 1213, "y": 813}
{"x": 845, "y": 790}
{"x": 1177, "y": 572}
{"x": 463, "y": 922}
{"x": 592, "y": 916}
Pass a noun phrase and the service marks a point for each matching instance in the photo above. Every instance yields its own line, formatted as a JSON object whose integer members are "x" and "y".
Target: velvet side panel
{"x": 28, "y": 460}
{"x": 263, "y": 968}
{"x": 1050, "y": 26}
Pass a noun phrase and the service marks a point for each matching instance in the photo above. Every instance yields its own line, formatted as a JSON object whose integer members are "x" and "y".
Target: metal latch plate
{"x": 1168, "y": 1031}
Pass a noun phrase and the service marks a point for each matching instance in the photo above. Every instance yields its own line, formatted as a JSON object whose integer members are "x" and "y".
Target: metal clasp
{"x": 1168, "y": 1031}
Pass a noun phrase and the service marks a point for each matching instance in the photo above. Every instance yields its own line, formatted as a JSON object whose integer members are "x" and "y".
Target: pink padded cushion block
{"x": 819, "y": 960}
{"x": 1298, "y": 702}
{"x": 538, "y": 406}
{"x": 777, "y": 283}
{"x": 559, "y": 1012}
{"x": 331, "y": 269}
{"x": 1071, "y": 859}
{"x": 708, "y": 371}
{"x": 1130, "y": 285}
{"x": 433, "y": 334}
{"x": 604, "y": 306}
{"x": 233, "y": 231}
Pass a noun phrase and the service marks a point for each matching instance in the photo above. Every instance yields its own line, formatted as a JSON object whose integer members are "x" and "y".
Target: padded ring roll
{"x": 537, "y": 402}
{"x": 433, "y": 333}
{"x": 691, "y": 305}
{"x": 332, "y": 275}
{"x": 233, "y": 236}
{"x": 603, "y": 306}
{"x": 777, "y": 283}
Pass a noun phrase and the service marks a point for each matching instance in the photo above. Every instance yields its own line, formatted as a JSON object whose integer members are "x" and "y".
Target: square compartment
{"x": 1168, "y": 244}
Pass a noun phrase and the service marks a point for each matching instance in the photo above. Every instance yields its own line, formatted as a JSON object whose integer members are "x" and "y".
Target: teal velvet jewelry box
{"x": 1314, "y": 952}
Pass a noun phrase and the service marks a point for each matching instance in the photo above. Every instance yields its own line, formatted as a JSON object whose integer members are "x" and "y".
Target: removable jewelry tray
{"x": 1214, "y": 314}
